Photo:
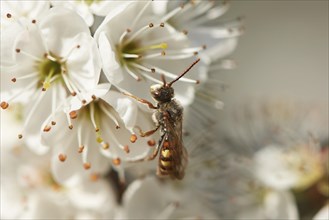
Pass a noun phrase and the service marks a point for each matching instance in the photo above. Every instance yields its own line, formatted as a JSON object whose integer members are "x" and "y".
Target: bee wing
{"x": 173, "y": 142}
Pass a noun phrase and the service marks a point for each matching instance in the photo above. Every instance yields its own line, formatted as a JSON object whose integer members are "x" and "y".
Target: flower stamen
{"x": 109, "y": 113}
{"x": 28, "y": 55}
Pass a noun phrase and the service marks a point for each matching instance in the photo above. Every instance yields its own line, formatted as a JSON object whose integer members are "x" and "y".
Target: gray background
{"x": 283, "y": 54}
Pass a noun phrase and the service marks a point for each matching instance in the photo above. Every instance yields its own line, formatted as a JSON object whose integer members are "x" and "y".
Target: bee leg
{"x": 147, "y": 133}
{"x": 150, "y": 105}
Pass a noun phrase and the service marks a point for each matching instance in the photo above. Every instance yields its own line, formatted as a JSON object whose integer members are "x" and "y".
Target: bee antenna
{"x": 164, "y": 80}
{"x": 182, "y": 74}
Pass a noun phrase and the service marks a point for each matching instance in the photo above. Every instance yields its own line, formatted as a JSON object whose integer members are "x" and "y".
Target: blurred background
{"x": 283, "y": 54}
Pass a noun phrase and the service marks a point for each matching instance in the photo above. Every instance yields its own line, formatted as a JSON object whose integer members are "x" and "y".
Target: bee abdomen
{"x": 166, "y": 159}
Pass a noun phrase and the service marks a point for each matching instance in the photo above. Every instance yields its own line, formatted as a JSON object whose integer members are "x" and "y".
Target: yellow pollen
{"x": 162, "y": 46}
{"x": 46, "y": 85}
{"x": 99, "y": 139}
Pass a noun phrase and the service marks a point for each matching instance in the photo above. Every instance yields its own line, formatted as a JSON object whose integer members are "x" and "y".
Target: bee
{"x": 169, "y": 118}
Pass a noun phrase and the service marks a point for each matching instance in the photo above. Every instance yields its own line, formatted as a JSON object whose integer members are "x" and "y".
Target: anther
{"x": 45, "y": 55}
{"x": 47, "y": 128}
{"x": 133, "y": 138}
{"x": 20, "y": 136}
{"x": 80, "y": 150}
{"x": 128, "y": 30}
{"x": 197, "y": 81}
{"x": 195, "y": 53}
{"x": 84, "y": 101}
{"x": 86, "y": 166}
{"x": 62, "y": 157}
{"x": 126, "y": 149}
{"x": 151, "y": 25}
{"x": 73, "y": 94}
{"x": 97, "y": 129}
{"x": 117, "y": 127}
{"x": 153, "y": 70}
{"x": 162, "y": 24}
{"x": 116, "y": 161}
{"x": 34, "y": 21}
{"x": 71, "y": 127}
{"x": 53, "y": 122}
{"x": 78, "y": 46}
{"x": 93, "y": 97}
{"x": 185, "y": 32}
{"x": 106, "y": 146}
{"x": 13, "y": 80}
{"x": 8, "y": 15}
{"x": 73, "y": 114}
{"x": 151, "y": 143}
{"x": 94, "y": 177}
{"x": 4, "y": 105}
{"x": 163, "y": 53}
{"x": 18, "y": 50}
{"x": 204, "y": 46}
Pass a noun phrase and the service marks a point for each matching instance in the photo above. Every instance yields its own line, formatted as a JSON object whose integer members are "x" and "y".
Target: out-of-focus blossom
{"x": 103, "y": 131}
{"x": 137, "y": 47}
{"x": 246, "y": 197}
{"x": 29, "y": 192}
{"x": 254, "y": 125}
{"x": 46, "y": 62}
{"x": 88, "y": 8}
{"x": 22, "y": 11}
{"x": 150, "y": 198}
{"x": 202, "y": 20}
{"x": 289, "y": 167}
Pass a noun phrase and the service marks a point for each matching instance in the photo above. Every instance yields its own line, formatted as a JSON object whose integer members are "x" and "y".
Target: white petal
{"x": 93, "y": 195}
{"x": 99, "y": 91}
{"x": 111, "y": 66}
{"x": 323, "y": 214}
{"x": 273, "y": 170}
{"x": 124, "y": 105}
{"x": 59, "y": 26}
{"x": 280, "y": 205}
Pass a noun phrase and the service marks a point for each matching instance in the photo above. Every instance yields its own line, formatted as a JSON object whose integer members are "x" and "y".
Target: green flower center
{"x": 89, "y": 2}
{"x": 50, "y": 70}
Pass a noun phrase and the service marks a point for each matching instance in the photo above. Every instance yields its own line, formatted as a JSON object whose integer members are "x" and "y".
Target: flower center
{"x": 49, "y": 70}
{"x": 89, "y": 2}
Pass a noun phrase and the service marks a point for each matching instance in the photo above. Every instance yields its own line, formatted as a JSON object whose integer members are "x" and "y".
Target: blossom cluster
{"x": 75, "y": 77}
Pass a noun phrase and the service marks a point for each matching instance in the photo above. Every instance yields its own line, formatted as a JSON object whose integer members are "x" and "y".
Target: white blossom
{"x": 45, "y": 63}
{"x": 138, "y": 47}
{"x": 28, "y": 191}
{"x": 204, "y": 24}
{"x": 22, "y": 11}
{"x": 88, "y": 8}
{"x": 103, "y": 132}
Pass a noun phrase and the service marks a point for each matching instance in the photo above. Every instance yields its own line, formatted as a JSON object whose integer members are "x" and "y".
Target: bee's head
{"x": 162, "y": 93}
